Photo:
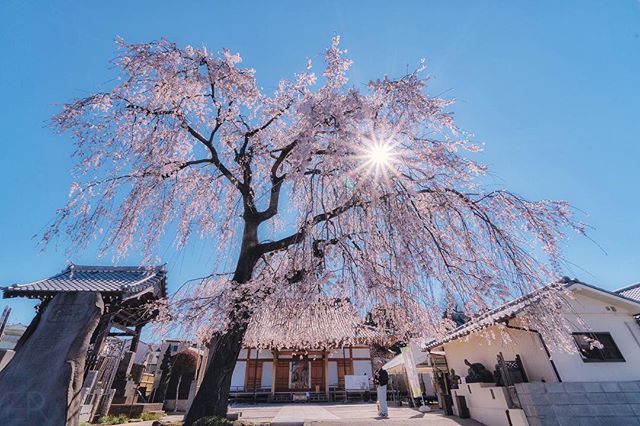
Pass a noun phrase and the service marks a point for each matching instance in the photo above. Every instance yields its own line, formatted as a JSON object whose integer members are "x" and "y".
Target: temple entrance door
{"x": 254, "y": 375}
{"x": 282, "y": 376}
{"x": 317, "y": 375}
{"x": 345, "y": 368}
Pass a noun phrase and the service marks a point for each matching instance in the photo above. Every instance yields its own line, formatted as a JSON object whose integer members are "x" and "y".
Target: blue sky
{"x": 551, "y": 88}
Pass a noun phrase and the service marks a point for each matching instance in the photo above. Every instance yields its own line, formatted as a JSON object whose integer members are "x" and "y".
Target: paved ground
{"x": 165, "y": 419}
{"x": 333, "y": 414}
{"x": 342, "y": 414}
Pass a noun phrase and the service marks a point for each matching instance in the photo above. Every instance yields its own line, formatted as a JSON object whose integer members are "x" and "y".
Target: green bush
{"x": 213, "y": 421}
{"x": 113, "y": 420}
{"x": 150, "y": 416}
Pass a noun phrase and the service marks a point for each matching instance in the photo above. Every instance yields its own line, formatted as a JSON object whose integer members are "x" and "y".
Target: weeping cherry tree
{"x": 317, "y": 190}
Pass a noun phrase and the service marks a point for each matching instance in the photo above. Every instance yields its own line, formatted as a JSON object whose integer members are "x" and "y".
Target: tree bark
{"x": 212, "y": 398}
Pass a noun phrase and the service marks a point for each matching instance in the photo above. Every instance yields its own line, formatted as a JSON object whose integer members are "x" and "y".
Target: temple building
{"x": 325, "y": 353}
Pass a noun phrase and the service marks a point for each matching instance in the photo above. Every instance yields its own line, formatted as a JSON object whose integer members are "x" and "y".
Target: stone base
{"x": 584, "y": 403}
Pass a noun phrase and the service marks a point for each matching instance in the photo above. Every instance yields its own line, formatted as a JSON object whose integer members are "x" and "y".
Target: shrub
{"x": 113, "y": 420}
{"x": 213, "y": 421}
{"x": 150, "y": 416}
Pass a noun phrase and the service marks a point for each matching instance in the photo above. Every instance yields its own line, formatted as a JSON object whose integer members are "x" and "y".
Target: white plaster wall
{"x": 262, "y": 354}
{"x": 488, "y": 404}
{"x": 588, "y": 313}
{"x": 591, "y": 315}
{"x": 239, "y": 371}
{"x": 484, "y": 347}
{"x": 361, "y": 353}
{"x": 267, "y": 375}
{"x": 337, "y": 353}
{"x": 361, "y": 368}
{"x": 333, "y": 373}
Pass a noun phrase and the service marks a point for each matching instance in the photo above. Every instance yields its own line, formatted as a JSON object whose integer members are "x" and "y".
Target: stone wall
{"x": 581, "y": 403}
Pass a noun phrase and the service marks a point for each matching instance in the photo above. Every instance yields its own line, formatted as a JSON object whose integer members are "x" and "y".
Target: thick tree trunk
{"x": 212, "y": 397}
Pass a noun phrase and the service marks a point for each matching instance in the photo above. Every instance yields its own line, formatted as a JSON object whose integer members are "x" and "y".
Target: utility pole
{"x": 3, "y": 319}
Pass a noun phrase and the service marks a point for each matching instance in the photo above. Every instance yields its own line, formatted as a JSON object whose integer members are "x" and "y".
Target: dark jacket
{"x": 380, "y": 377}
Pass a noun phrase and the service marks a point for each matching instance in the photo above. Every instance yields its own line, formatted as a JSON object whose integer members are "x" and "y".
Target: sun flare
{"x": 380, "y": 154}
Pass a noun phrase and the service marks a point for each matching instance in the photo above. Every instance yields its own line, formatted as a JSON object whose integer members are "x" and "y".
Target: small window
{"x": 597, "y": 347}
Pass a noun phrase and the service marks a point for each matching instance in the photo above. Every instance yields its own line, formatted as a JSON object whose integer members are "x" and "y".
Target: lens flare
{"x": 380, "y": 154}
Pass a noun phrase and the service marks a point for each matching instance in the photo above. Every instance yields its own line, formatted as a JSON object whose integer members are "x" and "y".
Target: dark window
{"x": 597, "y": 347}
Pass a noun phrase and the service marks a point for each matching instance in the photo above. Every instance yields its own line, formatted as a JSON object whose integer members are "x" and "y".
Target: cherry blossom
{"x": 317, "y": 190}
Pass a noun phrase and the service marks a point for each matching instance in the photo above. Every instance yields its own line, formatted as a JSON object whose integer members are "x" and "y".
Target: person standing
{"x": 381, "y": 379}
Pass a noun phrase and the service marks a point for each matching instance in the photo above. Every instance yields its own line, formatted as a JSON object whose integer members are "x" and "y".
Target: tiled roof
{"x": 514, "y": 307}
{"x": 501, "y": 313}
{"x": 630, "y": 292}
{"x": 328, "y": 323}
{"x": 124, "y": 281}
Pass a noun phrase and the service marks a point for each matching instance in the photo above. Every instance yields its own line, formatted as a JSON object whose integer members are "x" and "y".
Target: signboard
{"x": 356, "y": 382}
{"x": 412, "y": 373}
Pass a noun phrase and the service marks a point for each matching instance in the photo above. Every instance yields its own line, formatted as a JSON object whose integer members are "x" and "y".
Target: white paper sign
{"x": 356, "y": 382}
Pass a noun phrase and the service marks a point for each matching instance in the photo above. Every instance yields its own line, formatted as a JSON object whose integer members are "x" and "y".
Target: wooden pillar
{"x": 247, "y": 368}
{"x": 136, "y": 339}
{"x": 99, "y": 338}
{"x": 255, "y": 373}
{"x": 325, "y": 362}
{"x": 274, "y": 371}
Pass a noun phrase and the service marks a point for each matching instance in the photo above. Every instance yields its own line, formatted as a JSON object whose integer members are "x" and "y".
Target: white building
{"x": 597, "y": 382}
{"x": 8, "y": 341}
{"x": 11, "y": 335}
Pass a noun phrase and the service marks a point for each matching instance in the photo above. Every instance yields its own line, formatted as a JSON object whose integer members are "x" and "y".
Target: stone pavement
{"x": 171, "y": 418}
{"x": 341, "y": 414}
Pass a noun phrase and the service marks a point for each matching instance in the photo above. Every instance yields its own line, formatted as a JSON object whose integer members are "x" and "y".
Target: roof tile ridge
{"x": 59, "y": 274}
{"x": 626, "y": 288}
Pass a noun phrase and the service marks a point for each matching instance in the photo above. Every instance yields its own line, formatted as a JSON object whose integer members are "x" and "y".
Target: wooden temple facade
{"x": 315, "y": 355}
{"x": 279, "y": 374}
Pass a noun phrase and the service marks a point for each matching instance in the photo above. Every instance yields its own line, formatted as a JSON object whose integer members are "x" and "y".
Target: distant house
{"x": 172, "y": 385}
{"x": 8, "y": 341}
{"x": 11, "y": 335}
{"x": 630, "y": 292}
{"x": 540, "y": 382}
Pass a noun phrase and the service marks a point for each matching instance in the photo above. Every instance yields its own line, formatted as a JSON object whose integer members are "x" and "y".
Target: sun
{"x": 380, "y": 154}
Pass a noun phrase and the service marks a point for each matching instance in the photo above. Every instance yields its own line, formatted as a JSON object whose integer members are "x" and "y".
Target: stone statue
{"x": 478, "y": 373}
{"x": 454, "y": 379}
